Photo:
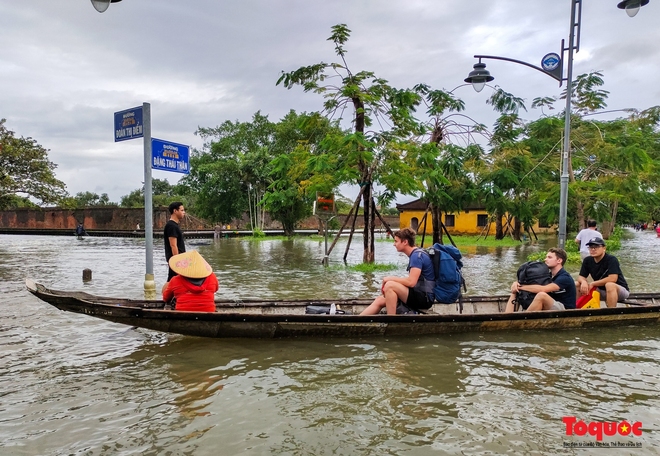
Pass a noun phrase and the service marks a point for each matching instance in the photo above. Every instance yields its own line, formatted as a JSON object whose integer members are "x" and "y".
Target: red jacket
{"x": 191, "y": 297}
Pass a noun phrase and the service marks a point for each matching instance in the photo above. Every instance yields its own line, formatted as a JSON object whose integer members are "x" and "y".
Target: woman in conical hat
{"x": 195, "y": 285}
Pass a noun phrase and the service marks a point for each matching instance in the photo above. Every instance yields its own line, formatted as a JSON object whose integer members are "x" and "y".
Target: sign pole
{"x": 149, "y": 282}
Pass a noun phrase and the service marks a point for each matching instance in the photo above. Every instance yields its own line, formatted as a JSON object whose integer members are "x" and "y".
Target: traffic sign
{"x": 169, "y": 156}
{"x": 128, "y": 124}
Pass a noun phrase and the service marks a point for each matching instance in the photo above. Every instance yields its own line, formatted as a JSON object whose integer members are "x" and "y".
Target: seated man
{"x": 416, "y": 290}
{"x": 557, "y": 295}
{"x": 605, "y": 272}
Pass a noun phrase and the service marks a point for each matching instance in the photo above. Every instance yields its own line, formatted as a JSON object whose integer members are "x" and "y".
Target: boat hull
{"x": 269, "y": 319}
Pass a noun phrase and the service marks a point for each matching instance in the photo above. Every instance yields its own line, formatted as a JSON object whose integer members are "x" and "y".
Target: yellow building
{"x": 473, "y": 220}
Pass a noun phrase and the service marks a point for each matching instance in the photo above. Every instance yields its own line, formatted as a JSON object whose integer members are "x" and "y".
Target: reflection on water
{"x": 76, "y": 385}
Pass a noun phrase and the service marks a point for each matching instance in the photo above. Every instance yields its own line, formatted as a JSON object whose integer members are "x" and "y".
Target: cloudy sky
{"x": 65, "y": 68}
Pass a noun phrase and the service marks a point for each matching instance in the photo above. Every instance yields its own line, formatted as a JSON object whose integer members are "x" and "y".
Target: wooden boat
{"x": 282, "y": 318}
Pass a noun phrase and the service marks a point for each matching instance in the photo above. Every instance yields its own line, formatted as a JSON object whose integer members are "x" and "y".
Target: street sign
{"x": 128, "y": 124}
{"x": 550, "y": 62}
{"x": 169, "y": 156}
{"x": 324, "y": 204}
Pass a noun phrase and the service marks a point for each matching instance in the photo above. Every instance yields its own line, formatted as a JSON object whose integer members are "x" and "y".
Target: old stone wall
{"x": 117, "y": 218}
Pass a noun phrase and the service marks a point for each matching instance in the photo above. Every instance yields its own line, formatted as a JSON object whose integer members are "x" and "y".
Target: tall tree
{"x": 290, "y": 194}
{"x": 229, "y": 176}
{"x": 26, "y": 171}
{"x": 372, "y": 103}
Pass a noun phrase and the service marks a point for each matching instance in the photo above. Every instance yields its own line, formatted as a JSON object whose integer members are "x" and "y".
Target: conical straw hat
{"x": 190, "y": 264}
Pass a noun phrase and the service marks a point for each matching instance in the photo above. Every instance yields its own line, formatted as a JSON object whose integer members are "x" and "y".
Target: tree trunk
{"x": 436, "y": 214}
{"x": 580, "y": 216}
{"x": 499, "y": 231}
{"x": 615, "y": 209}
{"x": 368, "y": 204}
{"x": 369, "y": 226}
{"x": 516, "y": 228}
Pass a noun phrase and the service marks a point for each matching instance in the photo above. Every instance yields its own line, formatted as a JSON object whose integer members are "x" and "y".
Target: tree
{"x": 362, "y": 157}
{"x": 26, "y": 170}
{"x": 229, "y": 176}
{"x": 163, "y": 193}
{"x": 87, "y": 199}
{"x": 289, "y": 196}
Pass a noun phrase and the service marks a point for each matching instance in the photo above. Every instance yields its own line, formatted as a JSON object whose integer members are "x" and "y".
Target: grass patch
{"x": 468, "y": 241}
{"x": 367, "y": 267}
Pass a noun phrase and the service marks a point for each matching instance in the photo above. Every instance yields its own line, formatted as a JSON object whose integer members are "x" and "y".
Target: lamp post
{"x": 102, "y": 5}
{"x": 552, "y": 65}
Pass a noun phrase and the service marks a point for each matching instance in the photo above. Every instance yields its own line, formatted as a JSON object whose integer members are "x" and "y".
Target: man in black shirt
{"x": 172, "y": 233}
{"x": 605, "y": 272}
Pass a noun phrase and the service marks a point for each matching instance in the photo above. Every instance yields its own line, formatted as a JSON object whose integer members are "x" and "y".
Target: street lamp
{"x": 102, "y": 5}
{"x": 632, "y": 6}
{"x": 551, "y": 64}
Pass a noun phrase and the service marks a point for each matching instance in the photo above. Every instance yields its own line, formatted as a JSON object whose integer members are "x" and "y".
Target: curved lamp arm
{"x": 555, "y": 74}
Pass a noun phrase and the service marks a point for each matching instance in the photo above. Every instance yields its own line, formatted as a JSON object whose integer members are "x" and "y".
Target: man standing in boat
{"x": 583, "y": 237}
{"x": 605, "y": 272}
{"x": 560, "y": 294}
{"x": 415, "y": 290}
{"x": 173, "y": 235}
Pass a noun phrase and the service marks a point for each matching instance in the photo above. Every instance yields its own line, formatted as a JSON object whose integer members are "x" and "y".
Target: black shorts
{"x": 418, "y": 299}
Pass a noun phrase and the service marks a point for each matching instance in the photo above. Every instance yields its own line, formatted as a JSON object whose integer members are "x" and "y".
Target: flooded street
{"x": 70, "y": 384}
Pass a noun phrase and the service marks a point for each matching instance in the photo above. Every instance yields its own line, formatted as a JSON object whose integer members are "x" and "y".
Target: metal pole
{"x": 149, "y": 283}
{"x": 563, "y": 194}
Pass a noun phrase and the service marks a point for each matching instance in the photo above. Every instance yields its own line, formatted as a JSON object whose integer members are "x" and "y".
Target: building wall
{"x": 116, "y": 218}
{"x": 464, "y": 223}
{"x": 93, "y": 218}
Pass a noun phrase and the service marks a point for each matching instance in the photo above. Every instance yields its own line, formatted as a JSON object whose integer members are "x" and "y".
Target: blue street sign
{"x": 128, "y": 124}
{"x": 550, "y": 62}
{"x": 169, "y": 156}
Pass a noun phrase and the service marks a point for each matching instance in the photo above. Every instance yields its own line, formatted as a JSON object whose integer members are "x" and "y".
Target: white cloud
{"x": 64, "y": 68}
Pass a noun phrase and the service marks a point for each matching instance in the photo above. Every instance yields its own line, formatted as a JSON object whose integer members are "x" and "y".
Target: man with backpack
{"x": 559, "y": 294}
{"x": 416, "y": 290}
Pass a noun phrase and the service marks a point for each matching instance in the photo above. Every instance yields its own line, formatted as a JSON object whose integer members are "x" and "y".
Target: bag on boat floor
{"x": 324, "y": 309}
{"x": 402, "y": 309}
{"x": 532, "y": 273}
{"x": 589, "y": 301}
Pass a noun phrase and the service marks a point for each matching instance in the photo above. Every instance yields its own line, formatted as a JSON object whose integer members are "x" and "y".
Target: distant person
{"x": 80, "y": 230}
{"x": 605, "y": 273}
{"x": 194, "y": 286}
{"x": 173, "y": 235}
{"x": 416, "y": 290}
{"x": 583, "y": 237}
{"x": 657, "y": 229}
{"x": 560, "y": 294}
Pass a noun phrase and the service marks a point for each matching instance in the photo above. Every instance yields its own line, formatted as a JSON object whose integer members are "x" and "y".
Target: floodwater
{"x": 70, "y": 384}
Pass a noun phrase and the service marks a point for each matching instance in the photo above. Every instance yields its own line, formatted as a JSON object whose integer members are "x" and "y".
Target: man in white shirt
{"x": 583, "y": 237}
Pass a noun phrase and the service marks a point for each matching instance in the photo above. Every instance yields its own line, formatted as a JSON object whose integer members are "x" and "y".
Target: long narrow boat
{"x": 281, "y": 318}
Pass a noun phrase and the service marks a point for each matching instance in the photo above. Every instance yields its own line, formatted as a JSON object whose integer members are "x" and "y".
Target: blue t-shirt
{"x": 566, "y": 293}
{"x": 422, "y": 260}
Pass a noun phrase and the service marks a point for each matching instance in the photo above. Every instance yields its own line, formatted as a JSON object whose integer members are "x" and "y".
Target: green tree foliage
{"x": 87, "y": 199}
{"x": 26, "y": 171}
{"x": 290, "y": 195}
{"x": 381, "y": 117}
{"x": 230, "y": 175}
{"x": 613, "y": 163}
{"x": 163, "y": 193}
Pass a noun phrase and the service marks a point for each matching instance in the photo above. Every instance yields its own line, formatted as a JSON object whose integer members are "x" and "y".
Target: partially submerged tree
{"x": 26, "y": 171}
{"x": 364, "y": 156}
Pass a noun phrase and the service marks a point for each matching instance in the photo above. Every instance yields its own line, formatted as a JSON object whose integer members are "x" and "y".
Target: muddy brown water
{"x": 71, "y": 384}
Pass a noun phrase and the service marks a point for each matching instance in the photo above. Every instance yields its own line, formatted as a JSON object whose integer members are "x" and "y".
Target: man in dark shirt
{"x": 172, "y": 233}
{"x": 605, "y": 273}
{"x": 557, "y": 295}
